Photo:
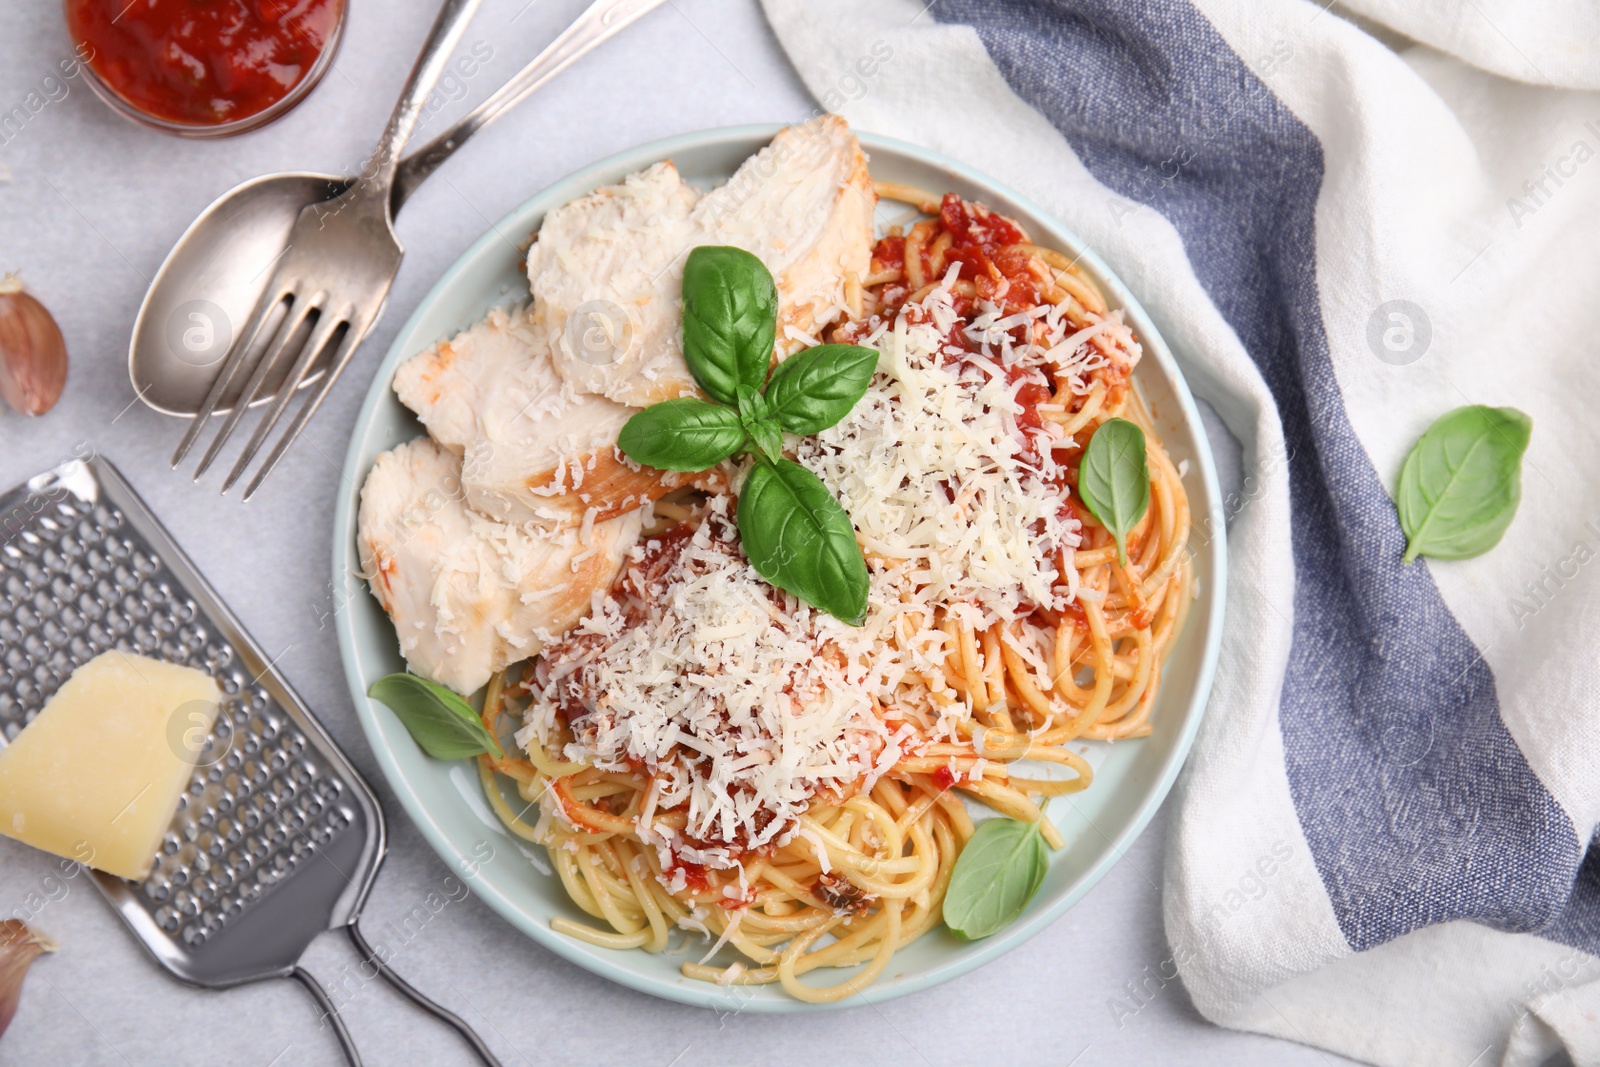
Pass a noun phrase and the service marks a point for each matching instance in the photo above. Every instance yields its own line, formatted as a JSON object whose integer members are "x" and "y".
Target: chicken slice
{"x": 803, "y": 204}
{"x": 617, "y": 253}
{"x": 533, "y": 449}
{"x": 467, "y": 595}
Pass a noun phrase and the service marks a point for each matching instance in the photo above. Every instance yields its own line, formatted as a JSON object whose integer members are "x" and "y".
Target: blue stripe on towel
{"x": 1579, "y": 924}
{"x": 1418, "y": 805}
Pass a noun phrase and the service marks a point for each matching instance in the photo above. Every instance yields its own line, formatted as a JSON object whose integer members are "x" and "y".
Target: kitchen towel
{"x": 1345, "y": 222}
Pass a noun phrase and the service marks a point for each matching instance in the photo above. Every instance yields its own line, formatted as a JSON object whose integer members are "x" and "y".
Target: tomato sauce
{"x": 695, "y": 877}
{"x": 981, "y": 241}
{"x": 203, "y": 62}
{"x": 890, "y": 253}
{"x": 664, "y": 547}
{"x": 1029, "y": 396}
{"x": 975, "y": 226}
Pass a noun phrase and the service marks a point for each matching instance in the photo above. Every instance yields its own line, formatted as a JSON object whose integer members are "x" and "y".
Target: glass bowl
{"x": 133, "y": 113}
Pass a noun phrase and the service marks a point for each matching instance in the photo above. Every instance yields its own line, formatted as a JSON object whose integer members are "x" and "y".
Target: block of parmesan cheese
{"x": 96, "y": 776}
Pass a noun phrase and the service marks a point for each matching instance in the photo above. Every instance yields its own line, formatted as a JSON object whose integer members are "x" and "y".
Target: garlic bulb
{"x": 19, "y": 944}
{"x": 33, "y": 355}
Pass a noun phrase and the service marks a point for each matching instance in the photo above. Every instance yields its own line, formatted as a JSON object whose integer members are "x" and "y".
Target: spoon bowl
{"x": 210, "y": 283}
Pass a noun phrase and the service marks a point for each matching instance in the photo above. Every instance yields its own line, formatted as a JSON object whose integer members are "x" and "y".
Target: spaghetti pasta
{"x": 988, "y": 699}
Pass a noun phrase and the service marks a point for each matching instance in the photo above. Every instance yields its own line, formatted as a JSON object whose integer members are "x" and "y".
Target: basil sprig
{"x": 997, "y": 873}
{"x": 763, "y": 429}
{"x": 1114, "y": 480}
{"x": 1462, "y": 482}
{"x": 440, "y": 721}
{"x": 794, "y": 532}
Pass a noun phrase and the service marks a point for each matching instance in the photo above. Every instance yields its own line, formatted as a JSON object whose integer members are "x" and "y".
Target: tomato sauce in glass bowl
{"x": 204, "y": 68}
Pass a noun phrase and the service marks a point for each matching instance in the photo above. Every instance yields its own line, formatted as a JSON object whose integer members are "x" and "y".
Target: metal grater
{"x": 278, "y": 837}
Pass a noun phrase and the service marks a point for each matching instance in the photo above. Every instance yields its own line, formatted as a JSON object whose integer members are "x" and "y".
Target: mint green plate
{"x": 444, "y": 799}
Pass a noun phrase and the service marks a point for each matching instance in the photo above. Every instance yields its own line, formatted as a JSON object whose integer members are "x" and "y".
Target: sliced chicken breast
{"x": 467, "y": 595}
{"x": 803, "y": 205}
{"x": 533, "y": 449}
{"x": 617, "y": 252}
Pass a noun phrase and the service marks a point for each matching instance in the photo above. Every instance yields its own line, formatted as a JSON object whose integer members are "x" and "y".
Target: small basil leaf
{"x": 763, "y": 432}
{"x": 730, "y": 320}
{"x": 682, "y": 435}
{"x": 1114, "y": 481}
{"x": 1462, "y": 482}
{"x": 798, "y": 538}
{"x": 814, "y": 389}
{"x": 767, "y": 438}
{"x": 997, "y": 873}
{"x": 752, "y": 405}
{"x": 441, "y": 722}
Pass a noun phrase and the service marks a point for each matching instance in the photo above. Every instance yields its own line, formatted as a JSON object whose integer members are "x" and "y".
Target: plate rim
{"x": 1212, "y": 602}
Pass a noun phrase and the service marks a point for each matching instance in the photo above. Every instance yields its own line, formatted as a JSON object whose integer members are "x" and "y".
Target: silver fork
{"x": 389, "y": 187}
{"x": 334, "y": 276}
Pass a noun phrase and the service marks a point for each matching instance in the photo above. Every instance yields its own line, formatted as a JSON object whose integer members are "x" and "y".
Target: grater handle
{"x": 411, "y": 993}
{"x": 329, "y": 1012}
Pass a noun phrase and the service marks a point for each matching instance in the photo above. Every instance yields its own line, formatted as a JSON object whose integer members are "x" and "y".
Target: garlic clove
{"x": 19, "y": 945}
{"x": 33, "y": 354}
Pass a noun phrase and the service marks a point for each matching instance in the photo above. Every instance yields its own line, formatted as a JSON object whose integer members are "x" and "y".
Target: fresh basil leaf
{"x": 1114, "y": 481}
{"x": 814, "y": 389}
{"x": 798, "y": 538}
{"x": 767, "y": 438}
{"x": 1462, "y": 482}
{"x": 686, "y": 434}
{"x": 997, "y": 873}
{"x": 752, "y": 405}
{"x": 763, "y": 431}
{"x": 730, "y": 320}
{"x": 441, "y": 721}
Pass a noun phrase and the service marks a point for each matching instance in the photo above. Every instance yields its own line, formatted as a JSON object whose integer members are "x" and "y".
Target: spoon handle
{"x": 448, "y": 27}
{"x": 602, "y": 20}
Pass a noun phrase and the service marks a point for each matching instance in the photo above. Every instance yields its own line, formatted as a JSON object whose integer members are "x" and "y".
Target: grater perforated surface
{"x": 277, "y": 837}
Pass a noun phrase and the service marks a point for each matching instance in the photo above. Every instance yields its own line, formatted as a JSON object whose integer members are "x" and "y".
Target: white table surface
{"x": 89, "y": 205}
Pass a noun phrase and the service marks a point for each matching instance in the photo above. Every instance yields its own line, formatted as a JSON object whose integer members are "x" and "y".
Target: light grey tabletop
{"x": 89, "y": 205}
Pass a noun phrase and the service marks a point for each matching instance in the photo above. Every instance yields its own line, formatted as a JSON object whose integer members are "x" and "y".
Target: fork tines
{"x": 306, "y": 328}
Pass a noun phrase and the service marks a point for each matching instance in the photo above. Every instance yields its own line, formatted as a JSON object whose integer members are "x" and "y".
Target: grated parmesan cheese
{"x": 935, "y": 469}
{"x": 743, "y": 703}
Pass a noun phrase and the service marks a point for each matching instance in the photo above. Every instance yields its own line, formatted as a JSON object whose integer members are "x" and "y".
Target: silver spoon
{"x": 216, "y": 274}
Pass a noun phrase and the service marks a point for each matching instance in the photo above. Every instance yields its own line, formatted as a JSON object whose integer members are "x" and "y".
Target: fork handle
{"x": 448, "y": 27}
{"x": 599, "y": 23}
